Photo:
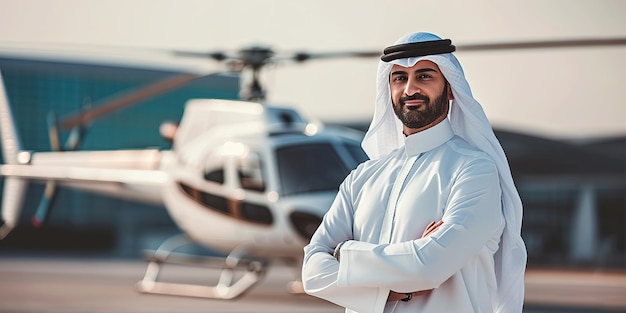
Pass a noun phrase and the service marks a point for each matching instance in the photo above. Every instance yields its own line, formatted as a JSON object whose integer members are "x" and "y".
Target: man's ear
{"x": 450, "y": 95}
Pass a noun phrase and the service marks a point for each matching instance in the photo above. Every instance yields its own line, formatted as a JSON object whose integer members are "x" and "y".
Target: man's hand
{"x": 395, "y": 296}
{"x": 431, "y": 228}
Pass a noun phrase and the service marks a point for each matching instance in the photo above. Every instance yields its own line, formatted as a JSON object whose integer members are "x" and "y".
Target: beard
{"x": 414, "y": 118}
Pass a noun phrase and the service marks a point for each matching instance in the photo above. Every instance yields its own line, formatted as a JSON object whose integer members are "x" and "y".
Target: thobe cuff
{"x": 345, "y": 268}
{"x": 342, "y": 274}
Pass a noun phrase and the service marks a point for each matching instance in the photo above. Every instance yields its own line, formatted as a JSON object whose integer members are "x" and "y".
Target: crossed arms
{"x": 395, "y": 296}
{"x": 367, "y": 272}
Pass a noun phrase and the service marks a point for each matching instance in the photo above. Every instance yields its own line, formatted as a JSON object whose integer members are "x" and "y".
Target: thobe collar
{"x": 428, "y": 139}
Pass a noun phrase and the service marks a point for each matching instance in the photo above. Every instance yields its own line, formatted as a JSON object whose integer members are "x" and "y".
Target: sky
{"x": 557, "y": 93}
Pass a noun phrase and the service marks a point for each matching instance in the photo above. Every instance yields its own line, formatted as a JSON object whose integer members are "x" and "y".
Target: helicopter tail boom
{"x": 14, "y": 188}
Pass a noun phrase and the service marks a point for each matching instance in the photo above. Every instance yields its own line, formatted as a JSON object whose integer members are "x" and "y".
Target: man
{"x": 431, "y": 223}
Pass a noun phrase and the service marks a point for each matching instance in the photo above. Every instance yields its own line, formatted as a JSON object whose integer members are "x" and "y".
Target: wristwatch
{"x": 337, "y": 248}
{"x": 409, "y": 296}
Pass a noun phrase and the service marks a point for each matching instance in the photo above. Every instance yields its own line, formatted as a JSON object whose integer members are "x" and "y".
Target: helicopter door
{"x": 251, "y": 179}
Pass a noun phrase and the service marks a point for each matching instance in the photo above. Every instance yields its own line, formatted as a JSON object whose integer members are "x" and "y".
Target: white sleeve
{"x": 320, "y": 268}
{"x": 472, "y": 216}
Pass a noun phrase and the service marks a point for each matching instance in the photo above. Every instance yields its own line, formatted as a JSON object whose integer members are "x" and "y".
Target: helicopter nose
{"x": 305, "y": 223}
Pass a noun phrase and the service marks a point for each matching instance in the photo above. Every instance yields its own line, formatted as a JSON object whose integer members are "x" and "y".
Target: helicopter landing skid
{"x": 229, "y": 285}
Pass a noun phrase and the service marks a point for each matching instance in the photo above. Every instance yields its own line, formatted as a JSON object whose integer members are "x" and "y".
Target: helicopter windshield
{"x": 310, "y": 168}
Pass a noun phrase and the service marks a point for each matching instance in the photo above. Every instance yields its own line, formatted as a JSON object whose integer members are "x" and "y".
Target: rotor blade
{"x": 548, "y": 44}
{"x": 217, "y": 55}
{"x": 304, "y": 56}
{"x": 127, "y": 99}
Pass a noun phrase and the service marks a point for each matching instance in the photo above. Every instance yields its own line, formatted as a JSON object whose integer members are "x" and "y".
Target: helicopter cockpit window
{"x": 309, "y": 168}
{"x": 214, "y": 168}
{"x": 215, "y": 176}
{"x": 250, "y": 172}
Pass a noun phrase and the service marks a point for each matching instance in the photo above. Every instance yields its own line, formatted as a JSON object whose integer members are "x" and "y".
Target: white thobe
{"x": 383, "y": 207}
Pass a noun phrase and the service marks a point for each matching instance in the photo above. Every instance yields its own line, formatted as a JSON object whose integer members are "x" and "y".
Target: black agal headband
{"x": 417, "y": 49}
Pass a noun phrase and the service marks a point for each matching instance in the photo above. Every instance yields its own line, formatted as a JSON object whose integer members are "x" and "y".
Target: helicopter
{"x": 243, "y": 177}
{"x": 247, "y": 178}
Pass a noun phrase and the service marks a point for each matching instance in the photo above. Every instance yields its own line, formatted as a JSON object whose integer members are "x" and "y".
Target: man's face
{"x": 420, "y": 95}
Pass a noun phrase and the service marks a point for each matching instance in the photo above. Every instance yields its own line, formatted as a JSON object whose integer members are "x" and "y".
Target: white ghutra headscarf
{"x": 470, "y": 123}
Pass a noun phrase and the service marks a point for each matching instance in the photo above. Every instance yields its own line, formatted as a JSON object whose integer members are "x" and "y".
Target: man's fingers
{"x": 422, "y": 292}
{"x": 428, "y": 228}
{"x": 431, "y": 228}
{"x": 395, "y": 296}
{"x": 435, "y": 227}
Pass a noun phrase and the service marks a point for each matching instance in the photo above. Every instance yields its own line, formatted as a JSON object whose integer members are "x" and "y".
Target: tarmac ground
{"x": 46, "y": 285}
